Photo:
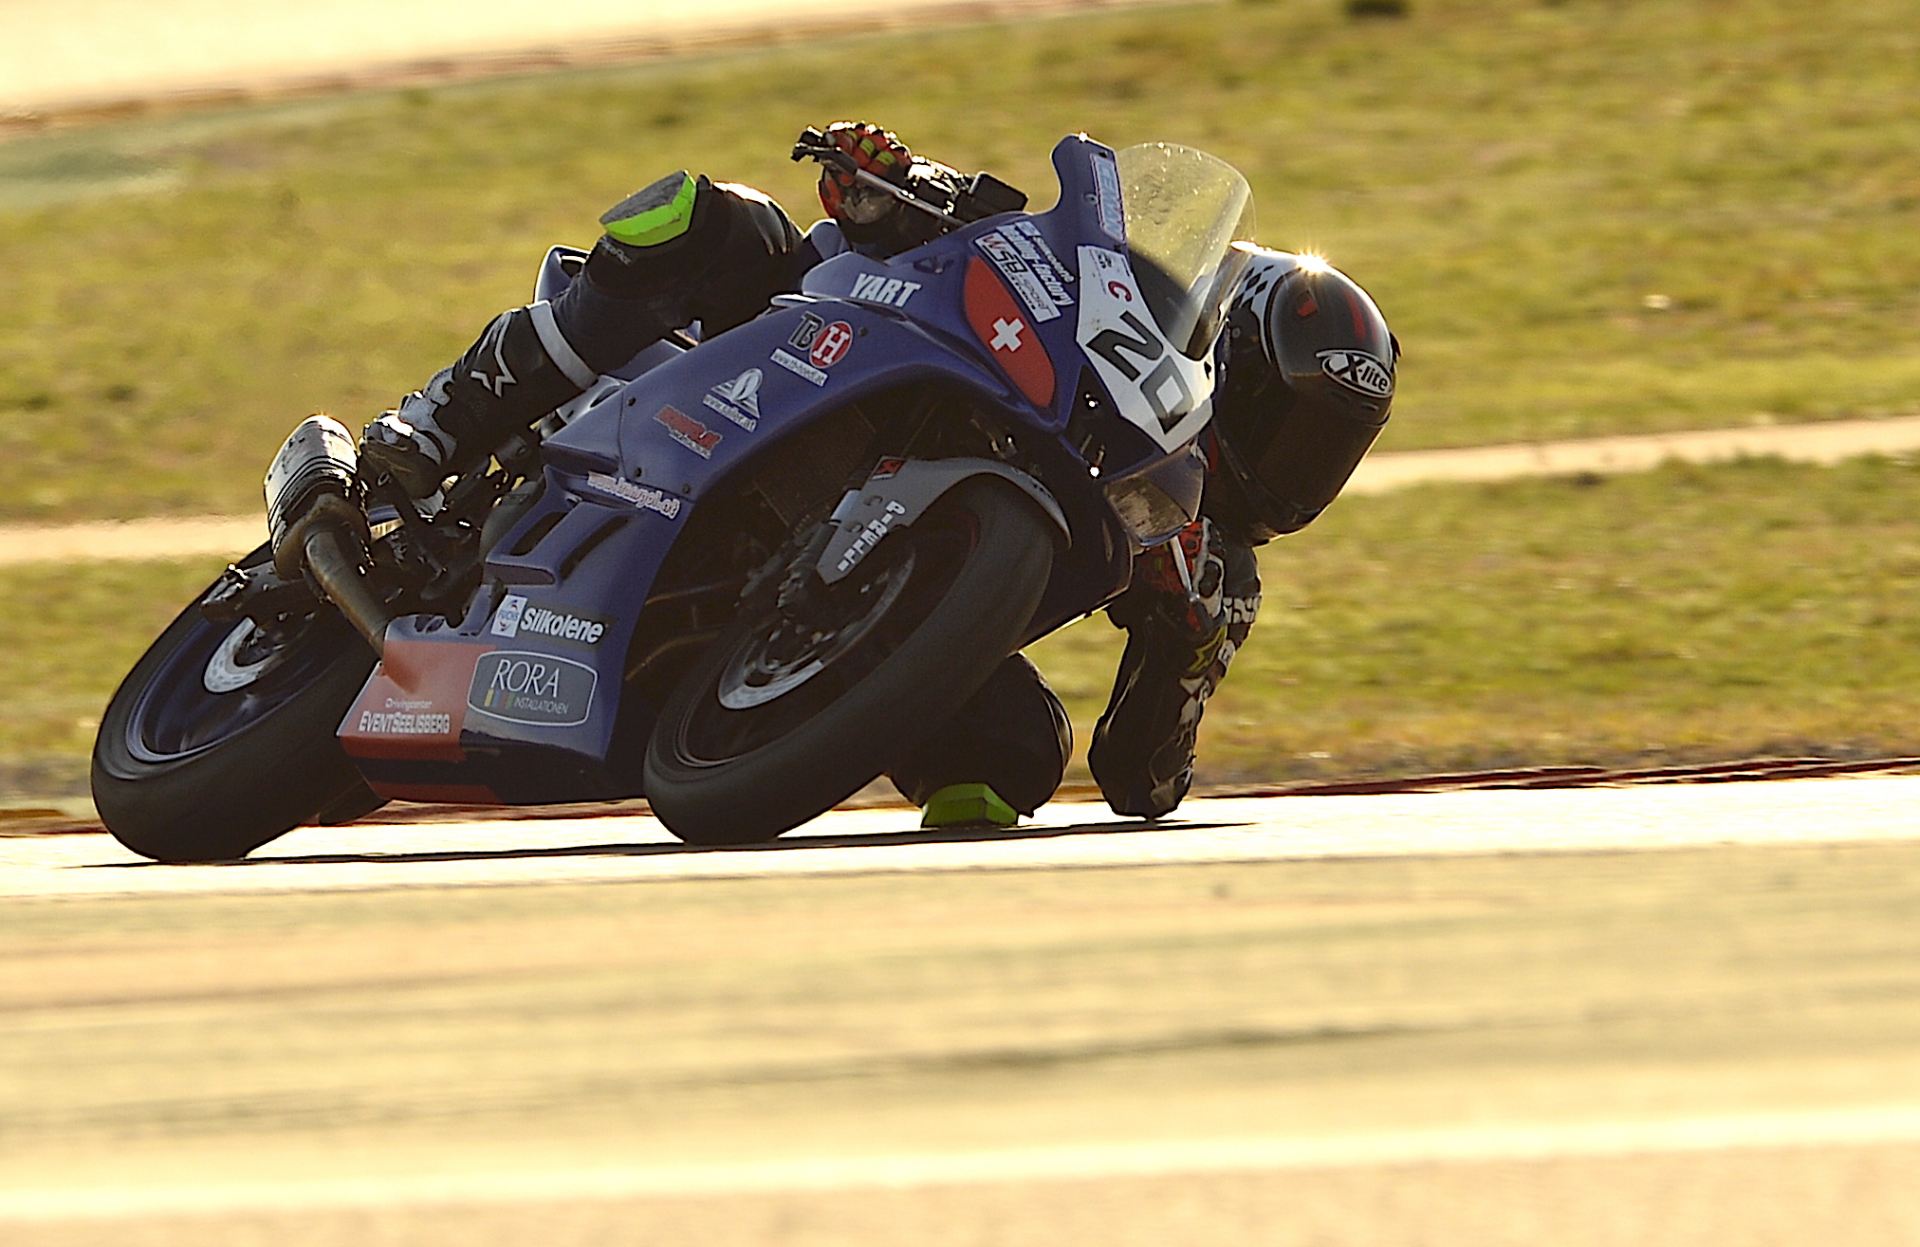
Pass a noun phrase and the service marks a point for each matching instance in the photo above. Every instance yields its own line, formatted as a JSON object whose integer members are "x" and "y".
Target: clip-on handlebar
{"x": 966, "y": 200}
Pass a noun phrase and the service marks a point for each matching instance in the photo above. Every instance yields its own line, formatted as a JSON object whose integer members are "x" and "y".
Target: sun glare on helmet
{"x": 1313, "y": 263}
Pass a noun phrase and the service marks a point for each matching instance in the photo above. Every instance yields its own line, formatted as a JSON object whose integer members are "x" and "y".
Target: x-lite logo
{"x": 1006, "y": 334}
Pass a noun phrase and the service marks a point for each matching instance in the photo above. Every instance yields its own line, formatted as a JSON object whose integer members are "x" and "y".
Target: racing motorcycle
{"x": 738, "y": 577}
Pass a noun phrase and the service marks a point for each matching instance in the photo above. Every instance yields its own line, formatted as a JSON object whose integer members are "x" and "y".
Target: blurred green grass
{"x": 1582, "y": 216}
{"x": 72, "y": 633}
{"x": 1684, "y": 614}
{"x": 1679, "y": 615}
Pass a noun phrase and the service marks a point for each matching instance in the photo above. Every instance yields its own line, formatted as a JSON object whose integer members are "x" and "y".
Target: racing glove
{"x": 1188, "y": 611}
{"x": 872, "y": 221}
{"x": 850, "y": 201}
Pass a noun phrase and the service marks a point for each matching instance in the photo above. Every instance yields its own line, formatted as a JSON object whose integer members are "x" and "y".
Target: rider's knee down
{"x": 1013, "y": 736}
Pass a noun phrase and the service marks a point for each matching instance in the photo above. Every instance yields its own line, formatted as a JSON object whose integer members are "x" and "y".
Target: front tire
{"x": 222, "y": 737}
{"x": 760, "y": 737}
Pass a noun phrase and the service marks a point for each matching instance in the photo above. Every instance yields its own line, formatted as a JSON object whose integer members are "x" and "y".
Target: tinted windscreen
{"x": 1184, "y": 211}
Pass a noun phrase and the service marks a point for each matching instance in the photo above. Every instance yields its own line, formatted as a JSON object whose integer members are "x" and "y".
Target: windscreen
{"x": 1185, "y": 210}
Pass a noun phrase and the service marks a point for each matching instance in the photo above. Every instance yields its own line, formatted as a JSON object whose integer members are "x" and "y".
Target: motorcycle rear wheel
{"x": 222, "y": 738}
{"x": 754, "y": 741}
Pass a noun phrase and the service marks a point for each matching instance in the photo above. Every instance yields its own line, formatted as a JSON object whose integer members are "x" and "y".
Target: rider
{"x": 1308, "y": 381}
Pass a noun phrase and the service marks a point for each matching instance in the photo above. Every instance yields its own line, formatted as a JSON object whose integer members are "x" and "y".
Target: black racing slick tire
{"x": 947, "y": 599}
{"x": 222, "y": 737}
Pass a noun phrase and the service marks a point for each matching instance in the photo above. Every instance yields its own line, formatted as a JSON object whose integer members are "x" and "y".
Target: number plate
{"x": 1168, "y": 395}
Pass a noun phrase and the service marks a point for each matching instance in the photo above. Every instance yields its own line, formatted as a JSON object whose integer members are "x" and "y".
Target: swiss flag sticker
{"x": 1007, "y": 330}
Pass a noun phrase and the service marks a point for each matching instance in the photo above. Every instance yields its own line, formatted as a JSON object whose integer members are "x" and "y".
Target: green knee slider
{"x": 654, "y": 214}
{"x": 968, "y": 805}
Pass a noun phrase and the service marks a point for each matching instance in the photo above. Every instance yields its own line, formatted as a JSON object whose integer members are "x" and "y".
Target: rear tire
{"x": 182, "y": 773}
{"x": 952, "y": 596}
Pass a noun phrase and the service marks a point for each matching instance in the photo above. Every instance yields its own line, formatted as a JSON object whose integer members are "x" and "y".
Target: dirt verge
{"x": 1822, "y": 442}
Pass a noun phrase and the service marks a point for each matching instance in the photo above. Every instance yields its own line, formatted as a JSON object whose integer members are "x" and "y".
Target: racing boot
{"x": 1188, "y": 612}
{"x": 520, "y": 369}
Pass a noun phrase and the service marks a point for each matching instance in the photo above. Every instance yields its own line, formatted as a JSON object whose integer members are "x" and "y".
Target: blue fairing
{"x": 625, "y": 478}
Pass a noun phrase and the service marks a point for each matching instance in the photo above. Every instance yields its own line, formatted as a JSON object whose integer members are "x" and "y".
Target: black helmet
{"x": 1308, "y": 385}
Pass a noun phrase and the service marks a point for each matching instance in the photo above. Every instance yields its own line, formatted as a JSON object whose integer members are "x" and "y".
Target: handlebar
{"x": 813, "y": 145}
{"x": 963, "y": 200}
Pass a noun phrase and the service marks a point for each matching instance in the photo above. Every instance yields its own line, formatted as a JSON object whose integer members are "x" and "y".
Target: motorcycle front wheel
{"x": 222, "y": 737}
{"x": 784, "y": 717}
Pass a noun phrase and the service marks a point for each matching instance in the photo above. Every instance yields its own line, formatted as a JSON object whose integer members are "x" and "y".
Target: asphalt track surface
{"x": 1795, "y": 1162}
{"x": 1063, "y": 836}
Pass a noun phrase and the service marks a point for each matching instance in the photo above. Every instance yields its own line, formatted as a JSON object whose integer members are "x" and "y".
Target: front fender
{"x": 895, "y": 498}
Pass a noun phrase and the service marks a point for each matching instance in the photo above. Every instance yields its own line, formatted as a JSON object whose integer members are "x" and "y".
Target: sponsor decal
{"x": 562, "y": 625}
{"x": 876, "y": 288}
{"x": 406, "y": 716}
{"x": 887, "y": 468}
{"x": 689, "y": 432}
{"x": 738, "y": 400}
{"x": 869, "y": 536}
{"x": 404, "y": 723}
{"x": 414, "y": 704}
{"x": 639, "y": 495}
{"x": 1359, "y": 371}
{"x": 516, "y": 618}
{"x": 825, "y": 344}
{"x": 1033, "y": 292}
{"x": 506, "y": 620}
{"x": 799, "y": 368}
{"x": 1039, "y": 260}
{"x": 806, "y": 331}
{"x": 1106, "y": 193}
{"x": 1027, "y": 230}
{"x": 537, "y": 689}
{"x": 832, "y": 345}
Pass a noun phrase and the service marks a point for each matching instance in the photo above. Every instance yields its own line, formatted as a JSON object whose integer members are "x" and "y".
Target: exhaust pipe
{"x": 317, "y": 525}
